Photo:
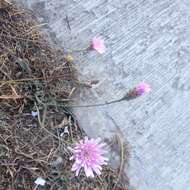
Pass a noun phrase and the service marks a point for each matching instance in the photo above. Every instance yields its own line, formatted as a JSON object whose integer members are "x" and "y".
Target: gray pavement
{"x": 146, "y": 40}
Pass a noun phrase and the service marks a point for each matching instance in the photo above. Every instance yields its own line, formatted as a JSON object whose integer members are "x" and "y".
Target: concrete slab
{"x": 146, "y": 40}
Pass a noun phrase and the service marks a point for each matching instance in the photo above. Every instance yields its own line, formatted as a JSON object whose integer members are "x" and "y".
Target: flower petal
{"x": 88, "y": 171}
{"x": 98, "y": 44}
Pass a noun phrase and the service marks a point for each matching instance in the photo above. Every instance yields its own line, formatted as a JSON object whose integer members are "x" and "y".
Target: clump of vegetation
{"x": 37, "y": 128}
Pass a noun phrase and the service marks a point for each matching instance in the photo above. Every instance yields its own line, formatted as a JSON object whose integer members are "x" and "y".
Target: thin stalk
{"x": 89, "y": 105}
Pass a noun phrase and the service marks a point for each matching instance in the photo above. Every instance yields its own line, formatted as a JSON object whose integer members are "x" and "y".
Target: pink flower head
{"x": 88, "y": 154}
{"x": 98, "y": 44}
{"x": 141, "y": 88}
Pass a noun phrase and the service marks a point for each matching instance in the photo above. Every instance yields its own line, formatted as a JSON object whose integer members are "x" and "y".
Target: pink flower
{"x": 141, "y": 88}
{"x": 98, "y": 44}
{"x": 88, "y": 154}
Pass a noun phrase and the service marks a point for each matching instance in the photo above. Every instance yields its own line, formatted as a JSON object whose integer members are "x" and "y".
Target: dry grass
{"x": 33, "y": 75}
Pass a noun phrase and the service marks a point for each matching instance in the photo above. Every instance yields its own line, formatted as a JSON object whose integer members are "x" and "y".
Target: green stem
{"x": 79, "y": 50}
{"x": 90, "y": 105}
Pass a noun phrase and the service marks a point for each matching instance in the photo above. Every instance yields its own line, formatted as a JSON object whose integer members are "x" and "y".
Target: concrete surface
{"x": 146, "y": 40}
